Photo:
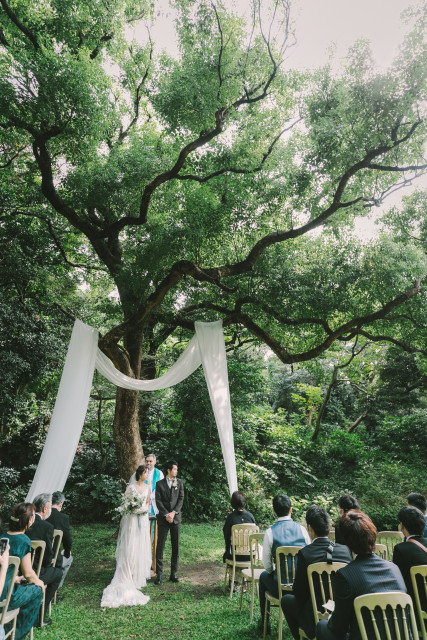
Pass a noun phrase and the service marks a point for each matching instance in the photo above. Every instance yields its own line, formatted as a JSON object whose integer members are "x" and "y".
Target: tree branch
{"x": 14, "y": 18}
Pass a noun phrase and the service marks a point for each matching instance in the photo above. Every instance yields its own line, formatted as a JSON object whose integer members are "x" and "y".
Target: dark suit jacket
{"x": 168, "y": 500}
{"x": 315, "y": 552}
{"x": 42, "y": 530}
{"x": 365, "y": 574}
{"x": 407, "y": 555}
{"x": 61, "y": 521}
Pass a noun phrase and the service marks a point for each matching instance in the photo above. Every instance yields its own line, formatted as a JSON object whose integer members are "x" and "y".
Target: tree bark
{"x": 356, "y": 423}
{"x": 324, "y": 403}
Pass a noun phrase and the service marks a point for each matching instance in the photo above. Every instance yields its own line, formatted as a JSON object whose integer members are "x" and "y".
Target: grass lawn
{"x": 195, "y": 608}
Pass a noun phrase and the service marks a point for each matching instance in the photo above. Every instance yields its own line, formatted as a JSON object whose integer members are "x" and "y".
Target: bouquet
{"x": 133, "y": 504}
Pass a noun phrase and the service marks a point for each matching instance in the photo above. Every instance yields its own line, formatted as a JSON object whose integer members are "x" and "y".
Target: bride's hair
{"x": 140, "y": 471}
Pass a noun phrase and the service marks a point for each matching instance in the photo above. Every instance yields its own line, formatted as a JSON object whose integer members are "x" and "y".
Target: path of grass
{"x": 195, "y": 608}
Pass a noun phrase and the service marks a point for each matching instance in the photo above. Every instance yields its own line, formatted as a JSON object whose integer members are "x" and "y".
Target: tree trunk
{"x": 324, "y": 404}
{"x": 356, "y": 423}
{"x": 126, "y": 434}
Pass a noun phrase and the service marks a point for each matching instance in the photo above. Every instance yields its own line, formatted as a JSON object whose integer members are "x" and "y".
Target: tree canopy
{"x": 219, "y": 183}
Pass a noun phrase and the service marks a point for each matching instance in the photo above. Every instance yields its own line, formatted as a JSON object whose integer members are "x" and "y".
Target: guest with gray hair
{"x": 61, "y": 521}
{"x": 43, "y": 530}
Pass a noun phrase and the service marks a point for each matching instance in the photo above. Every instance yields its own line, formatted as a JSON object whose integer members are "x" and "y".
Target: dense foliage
{"x": 140, "y": 191}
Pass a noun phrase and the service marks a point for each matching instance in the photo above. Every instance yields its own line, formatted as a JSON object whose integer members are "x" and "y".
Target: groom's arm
{"x": 159, "y": 501}
{"x": 180, "y": 501}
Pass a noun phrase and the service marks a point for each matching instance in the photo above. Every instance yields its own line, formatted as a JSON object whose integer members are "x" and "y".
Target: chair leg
{"x": 225, "y": 577}
{"x": 266, "y": 613}
{"x": 280, "y": 622}
{"x": 241, "y": 593}
{"x": 251, "y": 617}
{"x": 232, "y": 581}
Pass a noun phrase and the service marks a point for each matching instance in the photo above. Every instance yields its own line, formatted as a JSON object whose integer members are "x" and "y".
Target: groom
{"x": 169, "y": 501}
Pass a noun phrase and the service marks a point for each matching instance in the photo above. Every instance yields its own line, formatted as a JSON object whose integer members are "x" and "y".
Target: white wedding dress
{"x": 133, "y": 557}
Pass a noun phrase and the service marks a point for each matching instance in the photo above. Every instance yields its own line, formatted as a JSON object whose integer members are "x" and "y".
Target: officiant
{"x": 154, "y": 475}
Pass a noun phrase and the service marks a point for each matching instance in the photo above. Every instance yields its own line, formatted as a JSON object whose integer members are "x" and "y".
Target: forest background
{"x": 141, "y": 191}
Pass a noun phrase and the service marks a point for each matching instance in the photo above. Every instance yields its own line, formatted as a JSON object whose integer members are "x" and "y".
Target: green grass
{"x": 195, "y": 608}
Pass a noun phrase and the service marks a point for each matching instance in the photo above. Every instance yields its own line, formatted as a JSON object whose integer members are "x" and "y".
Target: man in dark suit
{"x": 297, "y": 607}
{"x": 61, "y": 521}
{"x": 169, "y": 501}
{"x": 368, "y": 573}
{"x": 419, "y": 501}
{"x": 42, "y": 530}
{"x": 413, "y": 551}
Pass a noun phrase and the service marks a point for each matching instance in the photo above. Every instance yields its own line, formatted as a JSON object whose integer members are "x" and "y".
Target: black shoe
{"x": 173, "y": 578}
{"x": 158, "y": 579}
{"x": 46, "y": 623}
{"x": 261, "y": 628}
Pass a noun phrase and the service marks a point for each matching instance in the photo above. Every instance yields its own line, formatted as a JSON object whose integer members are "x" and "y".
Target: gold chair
{"x": 56, "y": 545}
{"x": 7, "y": 617}
{"x": 240, "y": 546}
{"x": 252, "y": 575}
{"x": 396, "y": 603}
{"x": 331, "y": 535}
{"x": 285, "y": 558}
{"x": 390, "y": 539}
{"x": 420, "y": 572}
{"x": 381, "y": 550}
{"x": 38, "y": 547}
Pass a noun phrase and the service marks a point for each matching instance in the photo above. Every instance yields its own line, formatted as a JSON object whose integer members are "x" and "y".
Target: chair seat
{"x": 269, "y": 596}
{"x": 10, "y": 615}
{"x": 239, "y": 565}
{"x": 248, "y": 574}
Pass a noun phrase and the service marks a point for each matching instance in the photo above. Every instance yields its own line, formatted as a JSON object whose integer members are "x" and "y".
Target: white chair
{"x": 390, "y": 539}
{"x": 400, "y": 618}
{"x": 240, "y": 546}
{"x": 252, "y": 575}
{"x": 381, "y": 550}
{"x": 7, "y": 617}
{"x": 285, "y": 559}
{"x": 418, "y": 578}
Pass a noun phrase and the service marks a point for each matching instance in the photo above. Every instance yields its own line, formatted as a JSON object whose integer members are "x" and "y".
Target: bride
{"x": 133, "y": 553}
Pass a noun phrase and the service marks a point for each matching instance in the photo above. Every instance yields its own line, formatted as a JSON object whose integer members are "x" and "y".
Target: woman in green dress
{"x": 27, "y": 598}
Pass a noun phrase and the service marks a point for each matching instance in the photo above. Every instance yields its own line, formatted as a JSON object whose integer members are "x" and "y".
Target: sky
{"x": 320, "y": 24}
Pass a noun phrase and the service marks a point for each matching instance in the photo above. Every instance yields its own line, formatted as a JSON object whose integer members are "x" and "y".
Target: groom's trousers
{"x": 162, "y": 533}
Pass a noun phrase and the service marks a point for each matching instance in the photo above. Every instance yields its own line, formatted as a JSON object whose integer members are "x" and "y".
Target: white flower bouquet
{"x": 133, "y": 504}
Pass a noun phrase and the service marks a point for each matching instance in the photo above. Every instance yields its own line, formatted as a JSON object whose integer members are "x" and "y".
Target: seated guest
{"x": 297, "y": 606}
{"x": 4, "y": 562}
{"x": 61, "y": 521}
{"x": 419, "y": 501}
{"x": 43, "y": 530}
{"x": 239, "y": 515}
{"x": 413, "y": 551}
{"x": 345, "y": 503}
{"x": 285, "y": 532}
{"x": 27, "y": 598}
{"x": 367, "y": 573}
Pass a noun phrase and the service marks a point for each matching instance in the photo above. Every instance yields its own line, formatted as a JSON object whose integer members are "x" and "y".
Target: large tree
{"x": 217, "y": 183}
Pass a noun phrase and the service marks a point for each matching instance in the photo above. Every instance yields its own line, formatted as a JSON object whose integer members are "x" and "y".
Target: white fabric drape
{"x": 206, "y": 347}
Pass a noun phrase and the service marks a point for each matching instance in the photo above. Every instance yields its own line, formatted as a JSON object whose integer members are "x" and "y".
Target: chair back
{"x": 390, "y": 539}
{"x": 320, "y": 582}
{"x": 56, "y": 544}
{"x": 381, "y": 550}
{"x": 331, "y": 535}
{"x": 14, "y": 562}
{"x": 386, "y": 615}
{"x": 38, "y": 548}
{"x": 255, "y": 546}
{"x": 419, "y": 584}
{"x": 240, "y": 538}
{"x": 285, "y": 567}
